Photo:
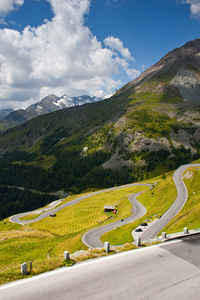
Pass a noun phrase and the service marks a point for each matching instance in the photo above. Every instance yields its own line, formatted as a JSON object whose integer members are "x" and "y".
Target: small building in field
{"x": 109, "y": 208}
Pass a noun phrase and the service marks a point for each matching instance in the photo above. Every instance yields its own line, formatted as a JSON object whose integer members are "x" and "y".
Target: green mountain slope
{"x": 150, "y": 126}
{"x": 15, "y": 118}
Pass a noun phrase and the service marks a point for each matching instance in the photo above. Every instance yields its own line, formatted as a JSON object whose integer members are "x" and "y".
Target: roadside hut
{"x": 109, "y": 208}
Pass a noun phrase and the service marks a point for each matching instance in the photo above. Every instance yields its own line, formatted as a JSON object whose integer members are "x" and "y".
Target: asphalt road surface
{"x": 92, "y": 237}
{"x": 182, "y": 195}
{"x": 166, "y": 271}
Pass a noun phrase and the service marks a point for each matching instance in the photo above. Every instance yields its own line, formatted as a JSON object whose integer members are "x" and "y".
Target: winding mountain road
{"x": 182, "y": 195}
{"x": 92, "y": 237}
{"x": 16, "y": 218}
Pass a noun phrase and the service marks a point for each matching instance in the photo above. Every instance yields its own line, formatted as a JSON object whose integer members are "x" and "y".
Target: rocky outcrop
{"x": 188, "y": 84}
{"x": 141, "y": 142}
{"x": 116, "y": 162}
{"x": 182, "y": 137}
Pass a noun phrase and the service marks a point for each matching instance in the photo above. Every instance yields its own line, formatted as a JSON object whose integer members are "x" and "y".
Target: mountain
{"x": 149, "y": 126}
{"x": 4, "y": 113}
{"x": 49, "y": 104}
{"x": 52, "y": 103}
{"x": 176, "y": 74}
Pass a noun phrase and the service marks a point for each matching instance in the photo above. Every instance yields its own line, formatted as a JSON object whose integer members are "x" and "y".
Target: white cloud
{"x": 60, "y": 56}
{"x": 117, "y": 45}
{"x": 7, "y": 6}
{"x": 132, "y": 73}
{"x": 194, "y": 7}
{"x": 143, "y": 68}
{"x": 122, "y": 56}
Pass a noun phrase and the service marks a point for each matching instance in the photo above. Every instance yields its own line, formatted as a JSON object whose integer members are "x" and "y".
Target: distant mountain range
{"x": 10, "y": 118}
{"x": 4, "y": 113}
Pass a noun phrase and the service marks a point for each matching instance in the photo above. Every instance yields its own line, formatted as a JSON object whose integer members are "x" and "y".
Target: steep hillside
{"x": 176, "y": 74}
{"x": 150, "y": 126}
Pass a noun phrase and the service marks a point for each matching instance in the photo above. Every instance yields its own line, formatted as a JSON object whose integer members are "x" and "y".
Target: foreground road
{"x": 167, "y": 271}
{"x": 182, "y": 195}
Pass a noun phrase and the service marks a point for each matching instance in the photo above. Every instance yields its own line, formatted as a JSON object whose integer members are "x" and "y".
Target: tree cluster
{"x": 14, "y": 200}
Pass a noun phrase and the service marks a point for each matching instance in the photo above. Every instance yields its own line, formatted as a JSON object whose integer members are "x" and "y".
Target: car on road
{"x": 143, "y": 224}
{"x": 138, "y": 230}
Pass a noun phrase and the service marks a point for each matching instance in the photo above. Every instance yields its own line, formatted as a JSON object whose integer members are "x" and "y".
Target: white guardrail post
{"x": 137, "y": 241}
{"x": 107, "y": 247}
{"x": 66, "y": 255}
{"x": 24, "y": 269}
{"x": 164, "y": 235}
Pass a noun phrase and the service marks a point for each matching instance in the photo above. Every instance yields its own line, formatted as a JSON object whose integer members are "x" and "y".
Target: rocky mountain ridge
{"x": 178, "y": 73}
{"x": 52, "y": 103}
{"x": 47, "y": 105}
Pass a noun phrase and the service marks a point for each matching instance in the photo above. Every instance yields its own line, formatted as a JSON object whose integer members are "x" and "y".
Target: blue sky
{"x": 90, "y": 47}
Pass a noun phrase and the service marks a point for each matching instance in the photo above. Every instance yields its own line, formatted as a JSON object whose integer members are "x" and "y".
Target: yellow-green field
{"x": 44, "y": 242}
{"x": 156, "y": 201}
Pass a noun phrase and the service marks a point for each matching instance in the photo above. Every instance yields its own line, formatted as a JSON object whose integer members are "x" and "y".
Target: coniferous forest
{"x": 14, "y": 200}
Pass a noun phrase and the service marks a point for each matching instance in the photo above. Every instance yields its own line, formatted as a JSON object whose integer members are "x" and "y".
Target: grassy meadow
{"x": 44, "y": 242}
{"x": 156, "y": 201}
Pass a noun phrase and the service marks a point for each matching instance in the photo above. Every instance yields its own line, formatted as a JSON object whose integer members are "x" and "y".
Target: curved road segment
{"x": 182, "y": 195}
{"x": 92, "y": 237}
{"x": 16, "y": 218}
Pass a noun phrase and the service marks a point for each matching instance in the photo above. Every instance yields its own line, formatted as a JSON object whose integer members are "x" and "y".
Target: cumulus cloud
{"x": 194, "y": 7}
{"x": 117, "y": 45}
{"x": 122, "y": 56}
{"x": 7, "y": 6}
{"x": 60, "y": 56}
{"x": 132, "y": 73}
